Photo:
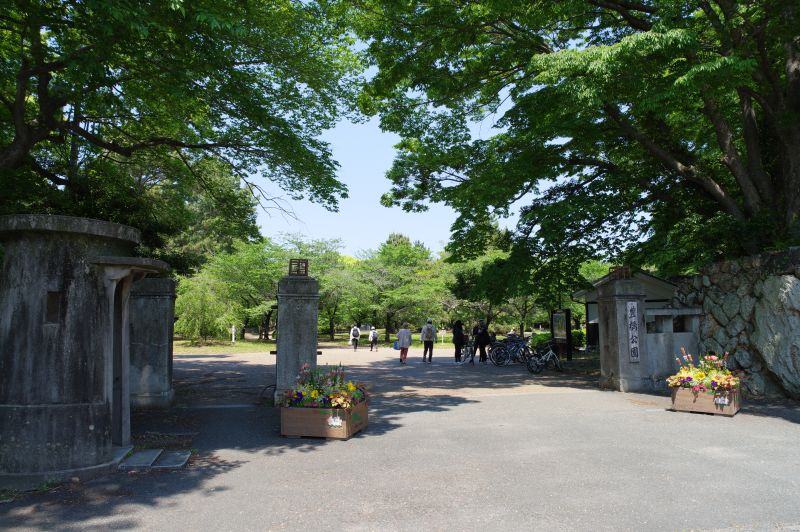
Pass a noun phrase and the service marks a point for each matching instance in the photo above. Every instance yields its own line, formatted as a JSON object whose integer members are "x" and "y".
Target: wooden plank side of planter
{"x": 684, "y": 400}
{"x": 358, "y": 417}
{"x": 315, "y": 422}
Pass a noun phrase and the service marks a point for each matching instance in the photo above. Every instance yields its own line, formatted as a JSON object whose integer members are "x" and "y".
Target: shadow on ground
{"x": 224, "y": 403}
{"x": 786, "y": 409}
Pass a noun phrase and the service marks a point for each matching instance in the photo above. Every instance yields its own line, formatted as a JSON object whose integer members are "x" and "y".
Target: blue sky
{"x": 365, "y": 153}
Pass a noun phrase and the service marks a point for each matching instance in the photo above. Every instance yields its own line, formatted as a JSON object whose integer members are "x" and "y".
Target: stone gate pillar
{"x": 64, "y": 352}
{"x": 624, "y": 362}
{"x": 298, "y": 306}
{"x": 152, "y": 319}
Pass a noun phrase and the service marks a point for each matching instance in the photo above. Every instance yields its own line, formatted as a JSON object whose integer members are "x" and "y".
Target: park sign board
{"x": 632, "y": 313}
{"x": 560, "y": 325}
{"x": 561, "y": 332}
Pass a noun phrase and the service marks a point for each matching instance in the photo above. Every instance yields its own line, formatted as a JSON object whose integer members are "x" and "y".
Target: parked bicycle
{"x": 508, "y": 351}
{"x": 543, "y": 357}
{"x": 468, "y": 351}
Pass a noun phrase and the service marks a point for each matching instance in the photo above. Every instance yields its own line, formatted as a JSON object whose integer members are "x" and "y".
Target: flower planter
{"x": 722, "y": 403}
{"x": 335, "y": 423}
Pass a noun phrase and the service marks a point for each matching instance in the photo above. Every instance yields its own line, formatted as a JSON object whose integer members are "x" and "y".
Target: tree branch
{"x": 690, "y": 172}
{"x": 129, "y": 150}
{"x": 754, "y": 157}
{"x": 624, "y": 10}
{"x": 730, "y": 155}
{"x": 44, "y": 172}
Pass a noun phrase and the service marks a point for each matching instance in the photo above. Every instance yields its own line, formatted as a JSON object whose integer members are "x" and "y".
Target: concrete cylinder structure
{"x": 152, "y": 320}
{"x": 298, "y": 308}
{"x": 64, "y": 400}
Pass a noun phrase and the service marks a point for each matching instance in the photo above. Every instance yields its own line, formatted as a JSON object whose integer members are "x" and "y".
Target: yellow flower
{"x": 314, "y": 394}
{"x": 701, "y": 375}
{"x": 350, "y": 386}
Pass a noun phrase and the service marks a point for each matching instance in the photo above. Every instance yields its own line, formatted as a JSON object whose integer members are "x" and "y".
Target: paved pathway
{"x": 447, "y": 448}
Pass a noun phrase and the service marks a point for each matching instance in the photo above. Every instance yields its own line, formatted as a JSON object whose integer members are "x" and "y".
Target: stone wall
{"x": 751, "y": 309}
{"x": 152, "y": 317}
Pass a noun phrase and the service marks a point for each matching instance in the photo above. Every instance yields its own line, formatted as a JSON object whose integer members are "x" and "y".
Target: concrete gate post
{"x": 624, "y": 361}
{"x": 64, "y": 400}
{"x": 298, "y": 307}
{"x": 152, "y": 319}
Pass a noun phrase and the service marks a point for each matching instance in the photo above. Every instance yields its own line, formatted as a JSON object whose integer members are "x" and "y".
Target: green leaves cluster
{"x": 620, "y": 127}
{"x": 397, "y": 283}
{"x": 127, "y": 110}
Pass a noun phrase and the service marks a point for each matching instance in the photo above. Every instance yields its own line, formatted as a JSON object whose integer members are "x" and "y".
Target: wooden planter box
{"x": 724, "y": 403}
{"x": 336, "y": 423}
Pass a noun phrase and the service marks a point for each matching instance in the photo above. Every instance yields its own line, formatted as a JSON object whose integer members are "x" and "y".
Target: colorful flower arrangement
{"x": 324, "y": 388}
{"x": 711, "y": 375}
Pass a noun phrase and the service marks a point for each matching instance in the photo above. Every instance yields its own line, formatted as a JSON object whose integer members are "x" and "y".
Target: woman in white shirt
{"x": 404, "y": 342}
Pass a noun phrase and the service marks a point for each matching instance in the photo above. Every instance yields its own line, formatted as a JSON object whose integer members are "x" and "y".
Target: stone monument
{"x": 624, "y": 363}
{"x": 152, "y": 310}
{"x": 298, "y": 307}
{"x": 64, "y": 353}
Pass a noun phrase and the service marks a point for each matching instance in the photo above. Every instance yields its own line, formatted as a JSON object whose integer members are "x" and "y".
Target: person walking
{"x": 404, "y": 342}
{"x": 481, "y": 334}
{"x": 373, "y": 338}
{"x": 428, "y": 336}
{"x": 355, "y": 333}
{"x": 458, "y": 339}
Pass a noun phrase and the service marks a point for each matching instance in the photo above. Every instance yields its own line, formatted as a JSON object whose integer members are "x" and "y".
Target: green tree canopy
{"x": 402, "y": 283}
{"x": 98, "y": 96}
{"x": 665, "y": 129}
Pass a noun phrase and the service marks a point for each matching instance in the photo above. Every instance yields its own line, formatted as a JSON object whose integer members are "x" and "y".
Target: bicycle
{"x": 467, "y": 352}
{"x": 543, "y": 357}
{"x": 510, "y": 350}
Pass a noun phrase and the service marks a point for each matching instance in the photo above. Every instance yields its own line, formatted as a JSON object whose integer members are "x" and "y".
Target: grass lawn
{"x": 184, "y": 347}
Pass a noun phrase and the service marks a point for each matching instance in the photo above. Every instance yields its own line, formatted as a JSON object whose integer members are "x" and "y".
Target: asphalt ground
{"x": 447, "y": 448}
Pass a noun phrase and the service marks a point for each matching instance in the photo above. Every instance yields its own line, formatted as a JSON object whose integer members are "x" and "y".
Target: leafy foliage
{"x": 161, "y": 114}
{"x": 201, "y": 309}
{"x": 403, "y": 284}
{"x": 658, "y": 132}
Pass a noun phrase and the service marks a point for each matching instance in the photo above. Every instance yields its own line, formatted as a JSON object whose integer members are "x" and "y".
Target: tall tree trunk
{"x": 331, "y": 327}
{"x": 263, "y": 326}
{"x": 388, "y": 324}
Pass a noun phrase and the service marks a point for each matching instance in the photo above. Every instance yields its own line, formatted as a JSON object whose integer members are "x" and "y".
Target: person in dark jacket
{"x": 458, "y": 339}
{"x": 481, "y": 334}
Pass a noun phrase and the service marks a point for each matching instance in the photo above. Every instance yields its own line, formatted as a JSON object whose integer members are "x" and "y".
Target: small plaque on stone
{"x": 298, "y": 267}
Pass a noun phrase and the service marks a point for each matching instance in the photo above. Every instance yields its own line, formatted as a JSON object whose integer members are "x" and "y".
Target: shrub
{"x": 578, "y": 337}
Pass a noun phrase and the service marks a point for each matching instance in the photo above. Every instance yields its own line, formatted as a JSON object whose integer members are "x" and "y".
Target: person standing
{"x": 481, "y": 334}
{"x": 404, "y": 342}
{"x": 458, "y": 339}
{"x": 428, "y": 336}
{"x": 355, "y": 333}
{"x": 373, "y": 338}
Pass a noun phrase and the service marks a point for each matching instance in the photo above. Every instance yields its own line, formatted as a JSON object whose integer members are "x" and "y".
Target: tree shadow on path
{"x": 221, "y": 406}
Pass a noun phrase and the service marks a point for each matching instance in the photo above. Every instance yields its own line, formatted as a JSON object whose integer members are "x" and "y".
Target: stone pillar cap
{"x": 68, "y": 224}
{"x": 135, "y": 263}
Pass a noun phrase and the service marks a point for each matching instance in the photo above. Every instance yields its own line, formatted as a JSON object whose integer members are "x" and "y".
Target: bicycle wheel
{"x": 466, "y": 353}
{"x": 524, "y": 354}
{"x": 490, "y": 350}
{"x": 514, "y": 355}
{"x": 499, "y": 355}
{"x": 553, "y": 362}
{"x": 534, "y": 364}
